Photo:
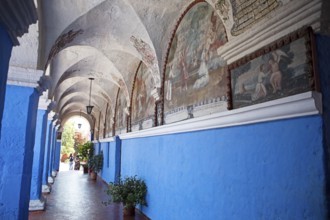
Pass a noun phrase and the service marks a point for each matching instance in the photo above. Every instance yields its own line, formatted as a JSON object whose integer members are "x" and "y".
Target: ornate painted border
{"x": 306, "y": 32}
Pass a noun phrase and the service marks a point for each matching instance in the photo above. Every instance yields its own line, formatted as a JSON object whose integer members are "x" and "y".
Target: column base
{"x": 37, "y": 205}
{"x": 46, "y": 189}
{"x": 50, "y": 180}
{"x": 54, "y": 173}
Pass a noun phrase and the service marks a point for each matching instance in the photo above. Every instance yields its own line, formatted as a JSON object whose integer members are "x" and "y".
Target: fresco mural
{"x": 277, "y": 74}
{"x": 143, "y": 103}
{"x": 121, "y": 114}
{"x": 195, "y": 76}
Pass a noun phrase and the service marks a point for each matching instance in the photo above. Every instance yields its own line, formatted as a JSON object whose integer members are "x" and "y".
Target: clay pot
{"x": 93, "y": 175}
{"x": 129, "y": 211}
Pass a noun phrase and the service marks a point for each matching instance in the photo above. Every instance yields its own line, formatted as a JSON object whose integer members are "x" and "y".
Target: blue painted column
{"x": 51, "y": 154}
{"x": 5, "y": 52}
{"x": 37, "y": 201}
{"x": 46, "y": 188}
{"x": 57, "y": 155}
{"x": 51, "y": 173}
{"x": 118, "y": 159}
{"x": 16, "y": 155}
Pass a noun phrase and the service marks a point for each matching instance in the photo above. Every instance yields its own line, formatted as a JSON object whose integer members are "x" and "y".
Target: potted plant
{"x": 95, "y": 164}
{"x": 130, "y": 192}
{"x": 85, "y": 151}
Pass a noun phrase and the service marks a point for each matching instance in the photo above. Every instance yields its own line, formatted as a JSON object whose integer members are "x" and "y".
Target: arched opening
{"x": 76, "y": 132}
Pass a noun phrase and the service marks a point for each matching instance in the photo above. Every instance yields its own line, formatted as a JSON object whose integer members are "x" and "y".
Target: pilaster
{"x": 16, "y": 155}
{"x": 37, "y": 202}
{"x": 5, "y": 53}
{"x": 46, "y": 188}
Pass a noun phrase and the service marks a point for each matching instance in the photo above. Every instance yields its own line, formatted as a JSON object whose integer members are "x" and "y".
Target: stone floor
{"x": 74, "y": 196}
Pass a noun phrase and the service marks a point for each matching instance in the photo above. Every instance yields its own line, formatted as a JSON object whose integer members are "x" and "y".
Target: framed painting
{"x": 283, "y": 68}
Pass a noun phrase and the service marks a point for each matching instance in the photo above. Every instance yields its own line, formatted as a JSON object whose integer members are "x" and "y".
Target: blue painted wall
{"x": 323, "y": 48}
{"x": 109, "y": 163}
{"x": 16, "y": 155}
{"x": 5, "y": 52}
{"x": 269, "y": 170}
{"x": 39, "y": 154}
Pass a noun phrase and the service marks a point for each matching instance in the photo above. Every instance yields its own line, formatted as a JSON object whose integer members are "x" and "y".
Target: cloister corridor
{"x": 75, "y": 196}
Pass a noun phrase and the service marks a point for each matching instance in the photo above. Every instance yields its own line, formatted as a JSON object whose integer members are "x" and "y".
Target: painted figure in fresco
{"x": 141, "y": 97}
{"x": 184, "y": 71}
{"x": 211, "y": 35}
{"x": 276, "y": 75}
{"x": 203, "y": 73}
{"x": 260, "y": 90}
{"x": 119, "y": 114}
{"x": 169, "y": 84}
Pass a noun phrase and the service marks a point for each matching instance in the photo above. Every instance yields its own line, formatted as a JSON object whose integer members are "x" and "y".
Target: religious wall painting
{"x": 143, "y": 103}
{"x": 195, "y": 75}
{"x": 281, "y": 69}
{"x": 121, "y": 113}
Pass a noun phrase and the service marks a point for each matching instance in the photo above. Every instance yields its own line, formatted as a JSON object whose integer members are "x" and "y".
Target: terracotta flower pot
{"x": 129, "y": 211}
{"x": 93, "y": 175}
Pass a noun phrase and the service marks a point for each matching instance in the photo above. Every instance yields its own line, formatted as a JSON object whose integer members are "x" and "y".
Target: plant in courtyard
{"x": 130, "y": 191}
{"x": 68, "y": 138}
{"x": 86, "y": 151}
{"x": 95, "y": 163}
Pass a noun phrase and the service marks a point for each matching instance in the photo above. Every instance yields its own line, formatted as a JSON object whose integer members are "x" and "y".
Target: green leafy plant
{"x": 95, "y": 163}
{"x": 86, "y": 151}
{"x": 130, "y": 191}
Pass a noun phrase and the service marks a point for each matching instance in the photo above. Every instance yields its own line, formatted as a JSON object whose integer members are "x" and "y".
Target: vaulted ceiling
{"x": 104, "y": 40}
{"x": 75, "y": 40}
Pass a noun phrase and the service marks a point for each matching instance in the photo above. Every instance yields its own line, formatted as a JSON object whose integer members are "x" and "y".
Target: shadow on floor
{"x": 74, "y": 196}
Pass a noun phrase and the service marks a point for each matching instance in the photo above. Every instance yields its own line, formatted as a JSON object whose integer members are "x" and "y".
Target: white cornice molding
{"x": 51, "y": 115}
{"x": 289, "y": 18}
{"x": 17, "y": 16}
{"x": 304, "y": 104}
{"x": 44, "y": 102}
{"x": 23, "y": 76}
{"x": 110, "y": 139}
